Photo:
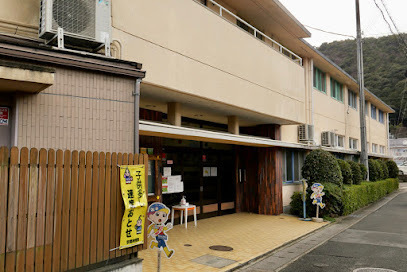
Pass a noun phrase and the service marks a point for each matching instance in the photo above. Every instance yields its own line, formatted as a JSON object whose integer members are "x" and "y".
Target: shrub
{"x": 346, "y": 171}
{"x": 385, "y": 171}
{"x": 332, "y": 199}
{"x": 393, "y": 169}
{"x": 358, "y": 196}
{"x": 374, "y": 173}
{"x": 380, "y": 174}
{"x": 321, "y": 166}
{"x": 356, "y": 172}
{"x": 363, "y": 170}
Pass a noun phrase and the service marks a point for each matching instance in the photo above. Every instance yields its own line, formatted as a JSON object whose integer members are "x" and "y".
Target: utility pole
{"x": 363, "y": 141}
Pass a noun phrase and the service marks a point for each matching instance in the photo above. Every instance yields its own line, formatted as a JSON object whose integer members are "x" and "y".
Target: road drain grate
{"x": 221, "y": 248}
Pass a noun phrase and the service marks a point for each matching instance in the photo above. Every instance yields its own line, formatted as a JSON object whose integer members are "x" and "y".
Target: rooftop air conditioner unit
{"x": 84, "y": 23}
{"x": 328, "y": 138}
{"x": 305, "y": 133}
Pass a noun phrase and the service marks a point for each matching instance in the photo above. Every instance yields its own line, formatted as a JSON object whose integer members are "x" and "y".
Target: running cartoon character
{"x": 139, "y": 225}
{"x": 317, "y": 194}
{"x": 158, "y": 215}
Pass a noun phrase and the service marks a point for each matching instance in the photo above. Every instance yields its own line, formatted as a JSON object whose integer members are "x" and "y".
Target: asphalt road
{"x": 377, "y": 241}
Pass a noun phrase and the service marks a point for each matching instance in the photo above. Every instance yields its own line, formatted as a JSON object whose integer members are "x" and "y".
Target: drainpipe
{"x": 136, "y": 95}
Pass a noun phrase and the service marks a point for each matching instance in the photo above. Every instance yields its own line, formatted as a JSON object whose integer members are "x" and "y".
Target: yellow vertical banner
{"x": 132, "y": 183}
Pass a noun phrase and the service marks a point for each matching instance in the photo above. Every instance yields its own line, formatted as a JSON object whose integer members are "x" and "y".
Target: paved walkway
{"x": 281, "y": 258}
{"x": 250, "y": 236}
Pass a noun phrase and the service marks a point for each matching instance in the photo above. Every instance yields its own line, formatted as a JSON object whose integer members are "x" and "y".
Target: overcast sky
{"x": 339, "y": 16}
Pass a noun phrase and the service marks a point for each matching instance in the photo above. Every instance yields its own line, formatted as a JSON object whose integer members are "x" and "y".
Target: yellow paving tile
{"x": 250, "y": 235}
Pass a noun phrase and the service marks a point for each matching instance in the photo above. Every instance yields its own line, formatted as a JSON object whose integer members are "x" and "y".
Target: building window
{"x": 373, "y": 113}
{"x": 293, "y": 162}
{"x": 353, "y": 143}
{"x": 340, "y": 140}
{"x": 352, "y": 100}
{"x": 374, "y": 148}
{"x": 382, "y": 149}
{"x": 319, "y": 80}
{"x": 381, "y": 117}
{"x": 336, "y": 90}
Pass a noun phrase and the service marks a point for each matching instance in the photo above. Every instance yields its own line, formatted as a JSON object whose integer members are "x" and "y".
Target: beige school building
{"x": 230, "y": 87}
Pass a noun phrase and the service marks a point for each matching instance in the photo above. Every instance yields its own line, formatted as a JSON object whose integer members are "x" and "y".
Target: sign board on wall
{"x": 132, "y": 183}
{"x": 4, "y": 116}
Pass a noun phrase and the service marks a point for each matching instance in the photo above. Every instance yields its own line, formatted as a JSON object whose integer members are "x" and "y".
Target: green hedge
{"x": 358, "y": 196}
{"x": 393, "y": 169}
{"x": 321, "y": 166}
{"x": 385, "y": 170}
{"x": 363, "y": 169}
{"x": 356, "y": 172}
{"x": 346, "y": 171}
{"x": 343, "y": 202}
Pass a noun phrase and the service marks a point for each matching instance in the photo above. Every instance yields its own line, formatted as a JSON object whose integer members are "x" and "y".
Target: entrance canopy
{"x": 169, "y": 131}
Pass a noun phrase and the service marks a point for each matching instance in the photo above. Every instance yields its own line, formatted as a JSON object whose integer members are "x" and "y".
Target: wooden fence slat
{"x": 125, "y": 162}
{"x": 101, "y": 206}
{"x": 3, "y": 203}
{"x": 108, "y": 176}
{"x": 73, "y": 210}
{"x": 113, "y": 207}
{"x": 119, "y": 206}
{"x": 88, "y": 207}
{"x": 81, "y": 210}
{"x": 41, "y": 206}
{"x": 11, "y": 244}
{"x": 49, "y": 216}
{"x": 56, "y": 253}
{"x": 65, "y": 210}
{"x": 94, "y": 213}
{"x": 145, "y": 162}
{"x": 32, "y": 209}
{"x": 22, "y": 210}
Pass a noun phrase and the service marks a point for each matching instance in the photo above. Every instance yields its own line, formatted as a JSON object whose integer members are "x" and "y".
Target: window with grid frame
{"x": 373, "y": 111}
{"x": 374, "y": 148}
{"x": 353, "y": 143}
{"x": 381, "y": 117}
{"x": 352, "y": 100}
{"x": 336, "y": 90}
{"x": 319, "y": 80}
{"x": 382, "y": 149}
{"x": 293, "y": 162}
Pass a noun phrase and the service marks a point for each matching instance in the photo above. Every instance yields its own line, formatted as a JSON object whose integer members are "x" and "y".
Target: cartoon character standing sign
{"x": 158, "y": 214}
{"x": 317, "y": 195}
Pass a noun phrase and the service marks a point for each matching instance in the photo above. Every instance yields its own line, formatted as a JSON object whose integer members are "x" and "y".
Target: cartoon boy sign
{"x": 158, "y": 214}
{"x": 317, "y": 194}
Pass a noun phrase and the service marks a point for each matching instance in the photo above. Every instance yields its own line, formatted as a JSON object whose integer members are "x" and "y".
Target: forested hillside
{"x": 385, "y": 67}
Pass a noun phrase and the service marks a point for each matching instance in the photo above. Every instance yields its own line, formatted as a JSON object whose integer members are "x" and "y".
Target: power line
{"x": 329, "y": 32}
{"x": 398, "y": 36}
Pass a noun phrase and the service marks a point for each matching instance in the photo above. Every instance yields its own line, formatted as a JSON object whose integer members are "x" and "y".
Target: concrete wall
{"x": 188, "y": 48}
{"x": 82, "y": 111}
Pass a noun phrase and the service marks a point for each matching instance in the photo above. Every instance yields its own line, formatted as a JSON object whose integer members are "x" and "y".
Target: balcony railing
{"x": 257, "y": 33}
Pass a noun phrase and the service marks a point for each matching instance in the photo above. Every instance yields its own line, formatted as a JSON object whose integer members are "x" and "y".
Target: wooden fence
{"x": 60, "y": 210}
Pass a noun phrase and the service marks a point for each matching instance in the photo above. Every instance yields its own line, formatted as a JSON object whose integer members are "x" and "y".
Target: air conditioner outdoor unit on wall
{"x": 305, "y": 133}
{"x": 328, "y": 138}
{"x": 85, "y": 23}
